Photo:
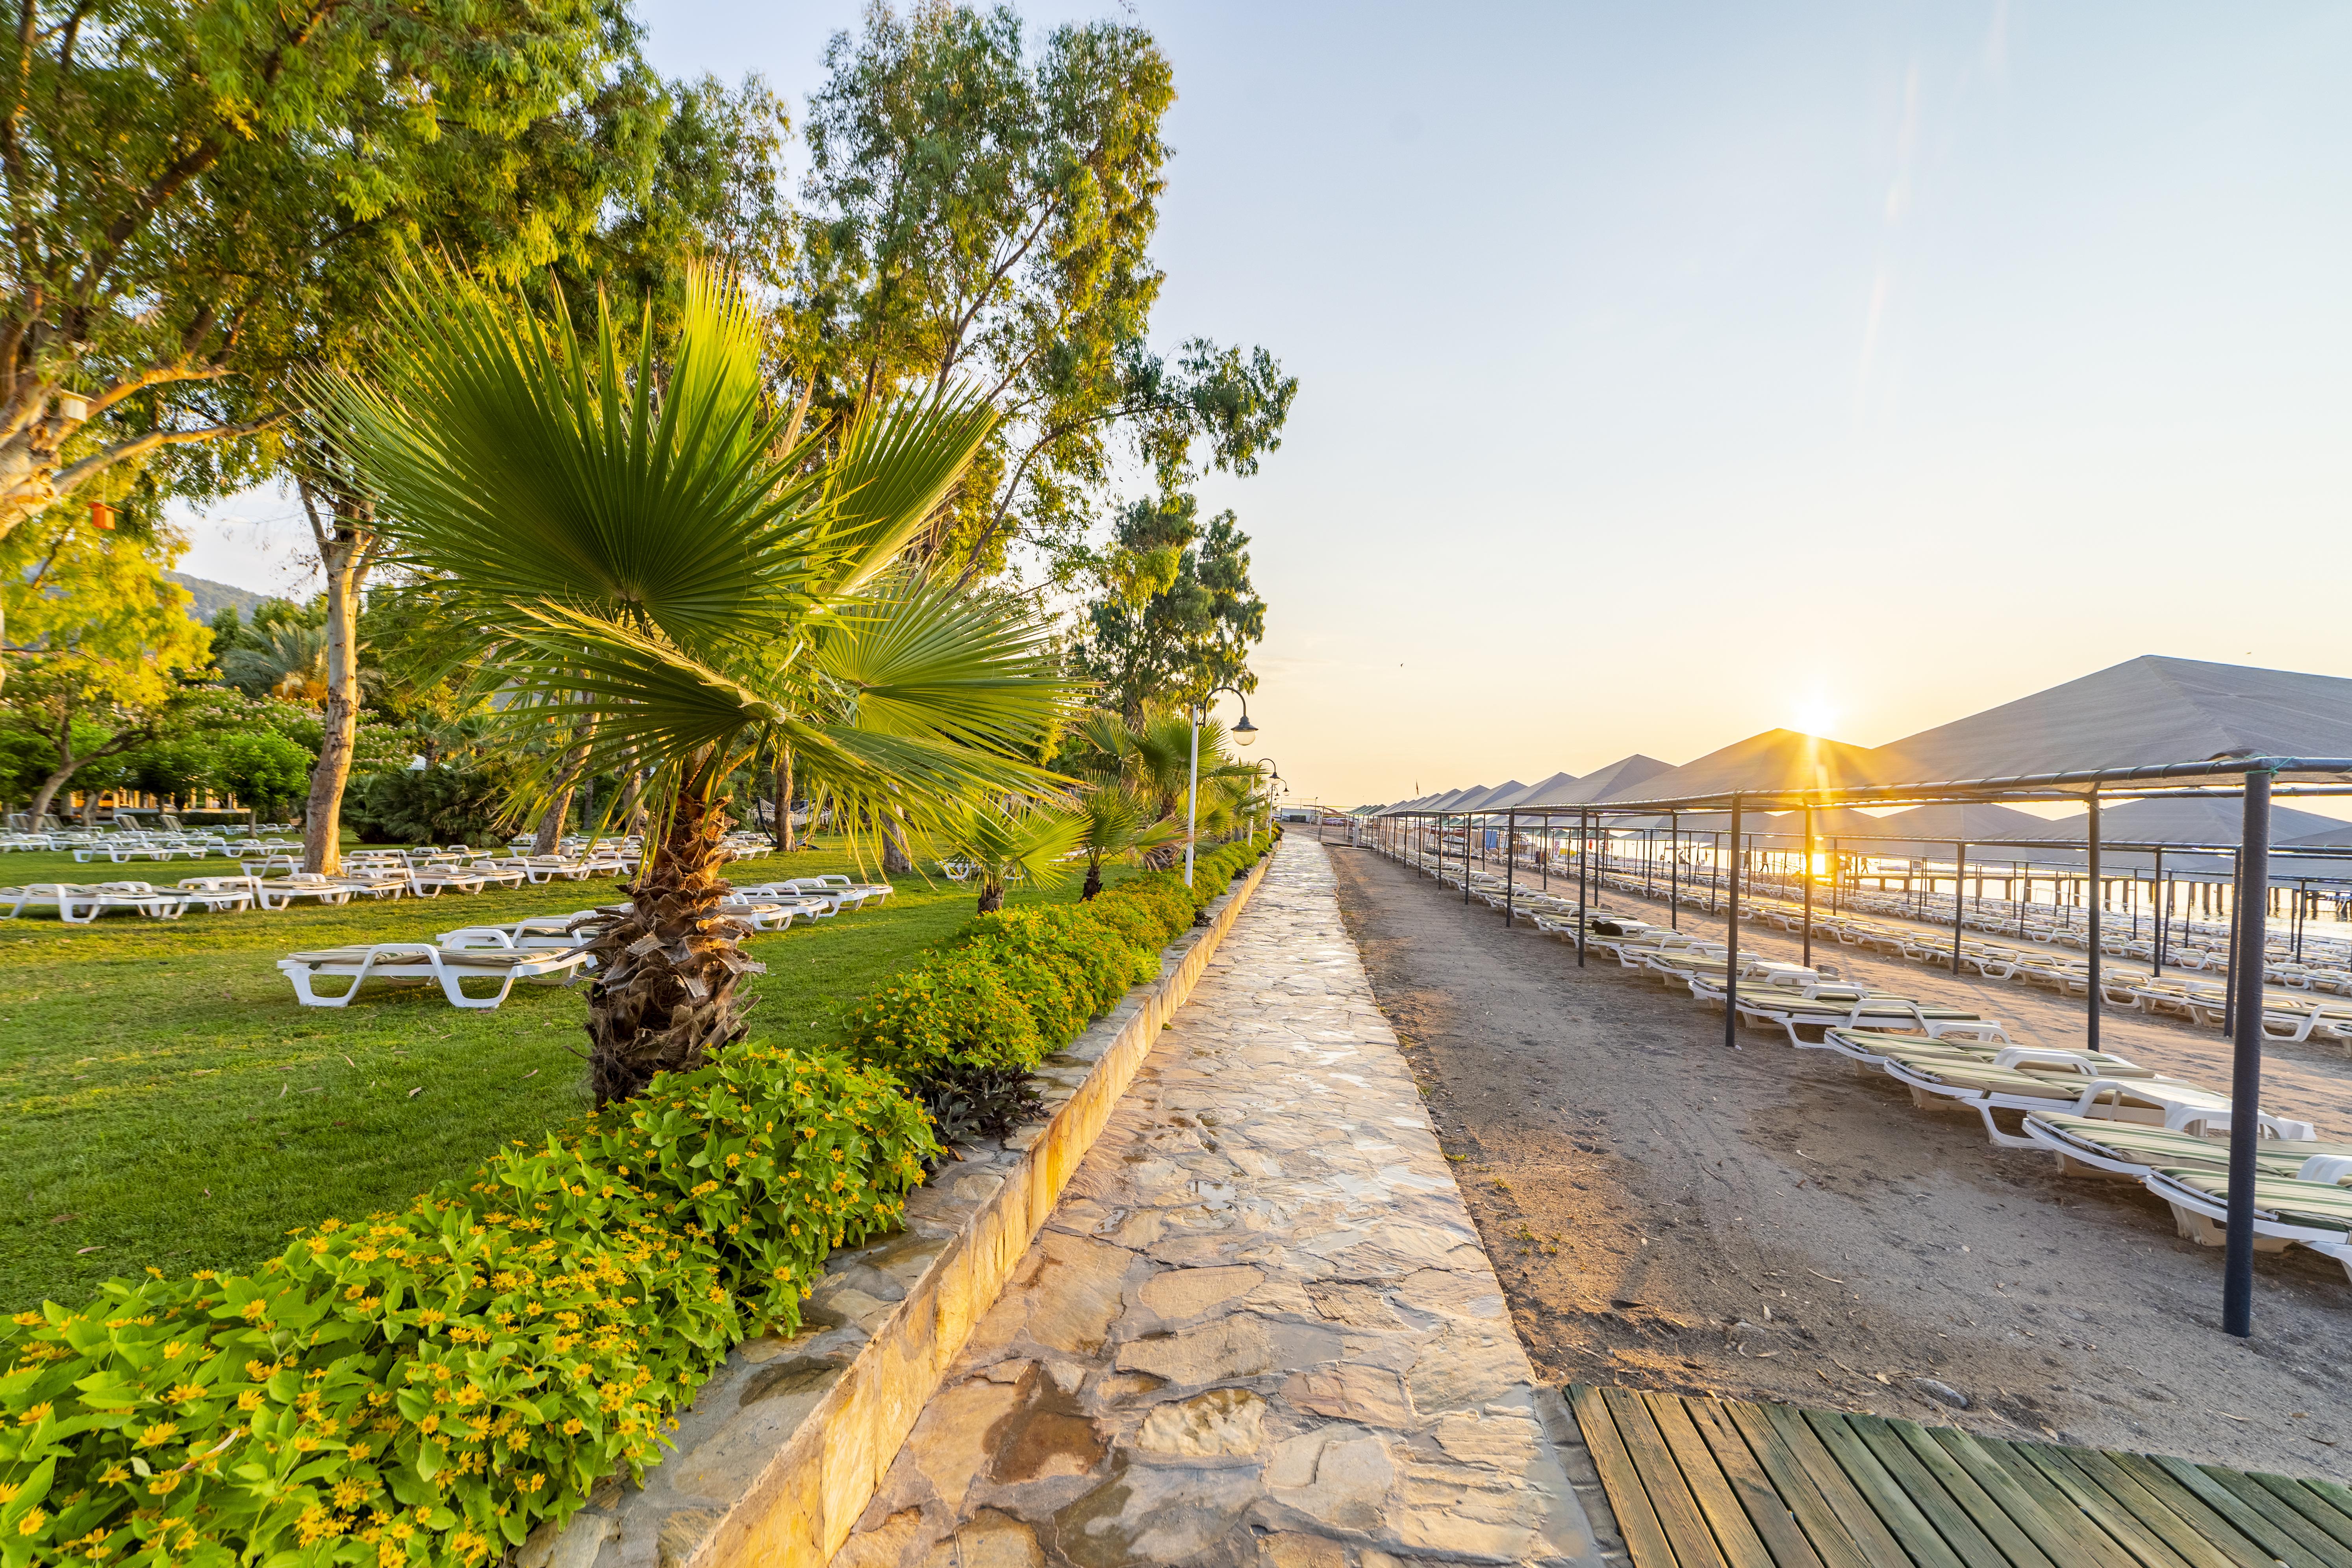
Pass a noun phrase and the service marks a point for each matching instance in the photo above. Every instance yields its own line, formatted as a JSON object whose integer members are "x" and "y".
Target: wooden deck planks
{"x": 1701, "y": 1483}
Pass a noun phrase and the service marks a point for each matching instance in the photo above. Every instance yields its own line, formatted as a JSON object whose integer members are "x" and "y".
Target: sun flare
{"x": 1816, "y": 714}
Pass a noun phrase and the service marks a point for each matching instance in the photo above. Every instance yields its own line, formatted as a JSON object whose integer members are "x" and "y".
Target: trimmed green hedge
{"x": 428, "y": 1387}
{"x": 1011, "y": 987}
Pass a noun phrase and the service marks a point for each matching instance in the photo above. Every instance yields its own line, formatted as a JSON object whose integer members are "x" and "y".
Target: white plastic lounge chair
{"x": 79, "y": 905}
{"x": 469, "y": 957}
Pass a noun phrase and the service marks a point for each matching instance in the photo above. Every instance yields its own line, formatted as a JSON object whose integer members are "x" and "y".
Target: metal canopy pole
{"x": 1959, "y": 873}
{"x": 2246, "y": 1069}
{"x": 2161, "y": 899}
{"x": 1674, "y": 874}
{"x": 1466, "y": 857}
{"x": 1731, "y": 941}
{"x": 1808, "y": 886}
{"x": 2092, "y": 927}
{"x": 1583, "y": 863}
{"x": 1510, "y": 865}
{"x": 2237, "y": 902}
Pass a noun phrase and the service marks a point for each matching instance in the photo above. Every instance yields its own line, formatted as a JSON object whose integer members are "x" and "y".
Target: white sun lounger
{"x": 472, "y": 956}
{"x": 79, "y": 905}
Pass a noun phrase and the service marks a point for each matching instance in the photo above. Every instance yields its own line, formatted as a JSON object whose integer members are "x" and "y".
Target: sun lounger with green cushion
{"x": 2129, "y": 1149}
{"x": 2287, "y": 1211}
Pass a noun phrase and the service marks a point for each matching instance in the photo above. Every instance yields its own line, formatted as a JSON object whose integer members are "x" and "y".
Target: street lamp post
{"x": 1243, "y": 733}
{"x": 1274, "y": 777}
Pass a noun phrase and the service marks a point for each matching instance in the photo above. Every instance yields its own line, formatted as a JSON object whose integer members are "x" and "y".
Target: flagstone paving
{"x": 1259, "y": 1328}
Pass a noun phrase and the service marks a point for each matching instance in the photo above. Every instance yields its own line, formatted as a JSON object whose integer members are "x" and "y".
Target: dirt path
{"x": 1649, "y": 1198}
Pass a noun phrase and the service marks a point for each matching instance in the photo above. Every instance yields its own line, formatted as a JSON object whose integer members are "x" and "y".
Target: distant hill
{"x": 210, "y": 597}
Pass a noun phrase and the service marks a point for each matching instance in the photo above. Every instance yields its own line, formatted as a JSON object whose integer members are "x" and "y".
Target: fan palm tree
{"x": 286, "y": 660}
{"x": 1117, "y": 824}
{"x": 1027, "y": 845}
{"x": 633, "y": 555}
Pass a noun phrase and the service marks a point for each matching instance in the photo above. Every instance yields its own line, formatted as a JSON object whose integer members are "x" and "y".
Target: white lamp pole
{"x": 1242, "y": 732}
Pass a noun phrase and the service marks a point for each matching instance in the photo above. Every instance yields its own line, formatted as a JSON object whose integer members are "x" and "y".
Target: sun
{"x": 1815, "y": 714}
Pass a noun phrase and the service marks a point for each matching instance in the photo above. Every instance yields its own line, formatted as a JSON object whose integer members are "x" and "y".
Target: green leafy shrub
{"x": 1140, "y": 923}
{"x": 1089, "y": 961}
{"x": 425, "y": 1387}
{"x": 263, "y": 769}
{"x": 441, "y": 804}
{"x": 952, "y": 1009}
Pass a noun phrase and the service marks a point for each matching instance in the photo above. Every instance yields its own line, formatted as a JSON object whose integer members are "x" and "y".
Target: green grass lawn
{"x": 167, "y": 1102}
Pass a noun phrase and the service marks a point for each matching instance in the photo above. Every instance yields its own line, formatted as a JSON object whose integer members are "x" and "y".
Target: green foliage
{"x": 263, "y": 769}
{"x": 445, "y": 804}
{"x": 1172, "y": 614}
{"x": 753, "y": 595}
{"x": 1092, "y": 961}
{"x": 953, "y": 1010}
{"x": 205, "y": 195}
{"x": 1013, "y": 986}
{"x": 984, "y": 207}
{"x": 426, "y": 1386}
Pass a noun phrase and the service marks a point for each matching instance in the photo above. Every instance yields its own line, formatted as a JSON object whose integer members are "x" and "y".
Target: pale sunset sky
{"x": 1673, "y": 372}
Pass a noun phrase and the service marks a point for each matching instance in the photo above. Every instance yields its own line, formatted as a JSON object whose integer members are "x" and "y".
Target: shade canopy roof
{"x": 2144, "y": 712}
{"x": 1775, "y": 760}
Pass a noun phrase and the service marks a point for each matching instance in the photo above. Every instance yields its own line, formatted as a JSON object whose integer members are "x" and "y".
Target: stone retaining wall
{"x": 784, "y": 1446}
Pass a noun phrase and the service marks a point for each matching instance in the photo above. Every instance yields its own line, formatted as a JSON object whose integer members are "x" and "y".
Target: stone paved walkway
{"x": 1259, "y": 1329}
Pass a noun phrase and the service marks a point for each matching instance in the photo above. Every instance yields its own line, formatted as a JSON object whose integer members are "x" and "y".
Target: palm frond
{"x": 896, "y": 465}
{"x": 918, "y": 657}
{"x": 1003, "y": 844}
{"x": 527, "y": 468}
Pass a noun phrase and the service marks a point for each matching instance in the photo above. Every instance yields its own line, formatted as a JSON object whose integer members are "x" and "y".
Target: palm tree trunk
{"x": 1093, "y": 877}
{"x": 992, "y": 897}
{"x": 663, "y": 997}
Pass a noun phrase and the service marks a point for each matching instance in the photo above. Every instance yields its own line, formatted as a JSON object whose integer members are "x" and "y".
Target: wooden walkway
{"x": 1704, "y": 1483}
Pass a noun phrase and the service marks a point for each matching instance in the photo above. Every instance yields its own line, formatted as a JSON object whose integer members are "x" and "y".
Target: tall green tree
{"x": 979, "y": 211}
{"x": 1171, "y": 614}
{"x": 625, "y": 548}
{"x": 99, "y": 638}
{"x": 199, "y": 195}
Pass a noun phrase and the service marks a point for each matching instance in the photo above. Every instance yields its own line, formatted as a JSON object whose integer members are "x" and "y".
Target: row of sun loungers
{"x": 2099, "y": 1113}
{"x": 541, "y": 949}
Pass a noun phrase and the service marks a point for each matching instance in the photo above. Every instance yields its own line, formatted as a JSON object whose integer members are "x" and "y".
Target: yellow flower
{"x": 34, "y": 1415}
{"x": 165, "y": 1483}
{"x": 159, "y": 1432}
{"x": 249, "y": 1400}
{"x": 33, "y": 1519}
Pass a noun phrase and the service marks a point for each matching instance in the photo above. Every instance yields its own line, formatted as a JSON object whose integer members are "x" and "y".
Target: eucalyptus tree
{"x": 625, "y": 546}
{"x": 982, "y": 203}
{"x": 199, "y": 195}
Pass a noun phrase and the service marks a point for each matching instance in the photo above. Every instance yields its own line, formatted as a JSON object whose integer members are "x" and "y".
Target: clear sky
{"x": 1672, "y": 371}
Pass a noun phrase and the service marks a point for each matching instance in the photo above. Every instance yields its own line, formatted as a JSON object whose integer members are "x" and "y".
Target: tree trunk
{"x": 344, "y": 550}
{"x": 896, "y": 862}
{"x": 1094, "y": 878}
{"x": 992, "y": 897}
{"x": 783, "y": 799}
{"x": 663, "y": 997}
{"x": 551, "y": 821}
{"x": 67, "y": 763}
{"x": 49, "y": 787}
{"x": 625, "y": 815}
